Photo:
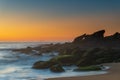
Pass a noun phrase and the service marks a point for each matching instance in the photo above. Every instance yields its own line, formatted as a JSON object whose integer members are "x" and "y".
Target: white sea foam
{"x": 7, "y": 70}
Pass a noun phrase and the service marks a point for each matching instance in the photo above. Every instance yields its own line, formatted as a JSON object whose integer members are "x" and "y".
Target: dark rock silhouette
{"x": 80, "y": 38}
{"x": 99, "y": 35}
{"x": 97, "y": 39}
{"x": 113, "y": 37}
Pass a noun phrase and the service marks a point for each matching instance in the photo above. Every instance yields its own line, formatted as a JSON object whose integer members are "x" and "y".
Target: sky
{"x": 56, "y": 20}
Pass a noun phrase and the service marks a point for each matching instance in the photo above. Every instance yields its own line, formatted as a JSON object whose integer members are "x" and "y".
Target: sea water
{"x": 18, "y": 66}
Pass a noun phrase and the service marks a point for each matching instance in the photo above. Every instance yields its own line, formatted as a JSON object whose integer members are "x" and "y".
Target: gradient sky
{"x": 56, "y": 20}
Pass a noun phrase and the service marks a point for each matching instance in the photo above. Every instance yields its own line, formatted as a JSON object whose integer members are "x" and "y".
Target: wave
{"x": 7, "y": 70}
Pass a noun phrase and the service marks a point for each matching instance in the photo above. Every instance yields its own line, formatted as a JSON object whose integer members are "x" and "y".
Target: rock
{"x": 84, "y": 42}
{"x": 85, "y": 50}
{"x": 57, "y": 68}
{"x": 113, "y": 37}
{"x": 40, "y": 65}
{"x": 98, "y": 56}
{"x": 99, "y": 35}
{"x": 53, "y": 65}
{"x": 88, "y": 58}
{"x": 26, "y": 50}
{"x": 116, "y": 36}
{"x": 88, "y": 68}
{"x": 65, "y": 60}
{"x": 44, "y": 64}
{"x": 94, "y": 56}
{"x": 80, "y": 38}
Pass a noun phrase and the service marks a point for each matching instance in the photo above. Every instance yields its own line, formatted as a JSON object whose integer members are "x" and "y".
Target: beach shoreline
{"x": 113, "y": 74}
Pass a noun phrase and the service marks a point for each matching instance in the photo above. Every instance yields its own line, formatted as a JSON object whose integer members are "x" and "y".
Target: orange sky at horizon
{"x": 22, "y": 27}
{"x": 56, "y": 20}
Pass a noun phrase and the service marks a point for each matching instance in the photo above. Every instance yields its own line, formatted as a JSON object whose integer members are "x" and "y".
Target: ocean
{"x": 18, "y": 66}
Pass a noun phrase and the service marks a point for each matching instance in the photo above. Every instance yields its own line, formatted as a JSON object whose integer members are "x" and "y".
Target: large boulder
{"x": 62, "y": 60}
{"x": 65, "y": 60}
{"x": 44, "y": 64}
{"x": 54, "y": 67}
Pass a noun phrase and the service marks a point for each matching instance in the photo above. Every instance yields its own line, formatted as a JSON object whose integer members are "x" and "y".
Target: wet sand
{"x": 113, "y": 74}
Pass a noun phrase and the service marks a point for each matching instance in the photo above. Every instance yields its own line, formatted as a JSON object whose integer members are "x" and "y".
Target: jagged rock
{"x": 113, "y": 37}
{"x": 98, "y": 56}
{"x": 99, "y": 35}
{"x": 80, "y": 38}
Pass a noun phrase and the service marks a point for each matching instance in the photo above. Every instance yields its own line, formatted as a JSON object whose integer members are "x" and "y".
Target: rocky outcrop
{"x": 98, "y": 56}
{"x": 97, "y": 39}
{"x": 44, "y": 64}
{"x": 99, "y": 35}
{"x": 85, "y": 50}
{"x": 113, "y": 37}
{"x": 83, "y": 42}
{"x": 80, "y": 38}
{"x": 63, "y": 60}
{"x": 93, "y": 56}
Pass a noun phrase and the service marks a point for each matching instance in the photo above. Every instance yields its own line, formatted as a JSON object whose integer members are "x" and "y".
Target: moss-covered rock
{"x": 64, "y": 59}
{"x": 40, "y": 65}
{"x": 88, "y": 68}
{"x": 44, "y": 64}
{"x": 89, "y": 57}
{"x": 57, "y": 68}
{"x": 98, "y": 56}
